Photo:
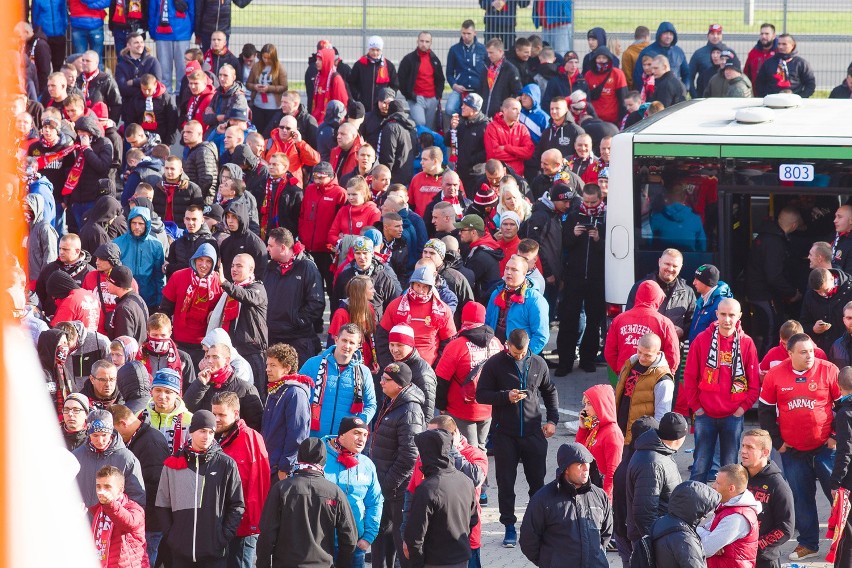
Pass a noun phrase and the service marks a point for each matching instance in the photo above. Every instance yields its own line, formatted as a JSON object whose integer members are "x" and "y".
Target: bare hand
{"x": 578, "y": 230}
{"x": 405, "y": 550}
{"x": 550, "y": 279}
{"x": 221, "y": 273}
{"x": 831, "y": 444}
{"x": 783, "y": 448}
{"x": 204, "y": 376}
{"x": 104, "y": 499}
{"x": 296, "y": 136}
{"x": 282, "y": 475}
{"x": 454, "y": 121}
{"x": 458, "y": 88}
{"x": 498, "y": 4}
{"x": 595, "y": 234}
{"x": 221, "y": 128}
{"x": 516, "y": 396}
{"x": 548, "y": 430}
{"x": 739, "y": 412}
{"x": 364, "y": 545}
{"x": 220, "y": 118}
{"x": 699, "y": 412}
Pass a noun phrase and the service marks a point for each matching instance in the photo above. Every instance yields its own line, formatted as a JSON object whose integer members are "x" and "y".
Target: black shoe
{"x": 588, "y": 366}
{"x": 483, "y": 499}
{"x": 564, "y": 369}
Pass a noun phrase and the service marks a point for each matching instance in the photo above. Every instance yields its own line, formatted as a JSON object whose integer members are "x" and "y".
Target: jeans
{"x": 357, "y": 559}
{"x": 83, "y": 40}
{"x": 707, "y": 430}
{"x": 423, "y": 111}
{"x": 475, "y": 432}
{"x": 509, "y": 451}
{"x": 454, "y": 100}
{"x": 803, "y": 470}
{"x": 170, "y": 54}
{"x": 474, "y": 561}
{"x": 560, "y": 38}
{"x": 241, "y": 551}
{"x": 152, "y": 540}
{"x": 80, "y": 209}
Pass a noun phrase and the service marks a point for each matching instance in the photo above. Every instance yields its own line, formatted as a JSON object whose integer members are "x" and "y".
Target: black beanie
{"x": 311, "y": 450}
{"x": 202, "y": 419}
{"x": 60, "y": 284}
{"x": 399, "y": 372}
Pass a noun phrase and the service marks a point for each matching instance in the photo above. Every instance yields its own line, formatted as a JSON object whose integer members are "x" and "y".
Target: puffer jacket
{"x": 116, "y": 455}
{"x": 145, "y": 256}
{"x": 184, "y": 193}
{"x": 604, "y": 440}
{"x": 652, "y": 475}
{"x": 201, "y": 165}
{"x": 510, "y": 144}
{"x": 51, "y": 16}
{"x": 423, "y": 375}
{"x": 679, "y": 303}
{"x": 676, "y": 543}
{"x": 319, "y": 208}
{"x": 619, "y": 479}
{"x": 360, "y": 483}
{"x": 41, "y": 243}
{"x": 392, "y": 442}
{"x": 242, "y": 241}
{"x": 531, "y": 316}
{"x": 151, "y": 449}
{"x": 127, "y": 538}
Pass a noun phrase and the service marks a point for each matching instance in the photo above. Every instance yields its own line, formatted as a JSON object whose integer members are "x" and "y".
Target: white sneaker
{"x": 572, "y": 427}
{"x": 802, "y": 552}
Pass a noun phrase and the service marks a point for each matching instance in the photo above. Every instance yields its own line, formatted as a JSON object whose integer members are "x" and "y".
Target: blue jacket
{"x": 679, "y": 227}
{"x": 145, "y": 257}
{"x": 556, "y": 12}
{"x": 43, "y": 187}
{"x": 52, "y": 16}
{"x": 286, "y": 422}
{"x": 439, "y": 142}
{"x": 534, "y": 119}
{"x": 705, "y": 313}
{"x": 701, "y": 69}
{"x": 531, "y": 316}
{"x": 361, "y": 485}
{"x": 414, "y": 233}
{"x": 677, "y": 59}
{"x": 339, "y": 391}
{"x": 182, "y": 28}
{"x": 464, "y": 64}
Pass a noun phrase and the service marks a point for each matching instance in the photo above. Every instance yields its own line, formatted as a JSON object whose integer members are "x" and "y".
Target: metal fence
{"x": 822, "y": 28}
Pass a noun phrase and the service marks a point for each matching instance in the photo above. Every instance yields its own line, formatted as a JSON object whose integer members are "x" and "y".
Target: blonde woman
{"x": 512, "y": 200}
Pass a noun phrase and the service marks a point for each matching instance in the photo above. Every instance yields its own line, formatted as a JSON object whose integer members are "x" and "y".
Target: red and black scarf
{"x": 493, "y": 73}
{"x": 88, "y": 78}
{"x": 231, "y": 311}
{"x": 274, "y": 386}
{"x": 710, "y": 380}
{"x": 298, "y": 248}
{"x": 346, "y": 458}
{"x": 318, "y": 396}
{"x": 76, "y": 171}
{"x": 164, "y": 26}
{"x": 161, "y": 348}
{"x": 102, "y": 528}
{"x": 509, "y": 296}
{"x": 123, "y": 11}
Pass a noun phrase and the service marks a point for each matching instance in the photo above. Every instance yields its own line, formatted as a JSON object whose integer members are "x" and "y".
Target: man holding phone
{"x": 823, "y": 305}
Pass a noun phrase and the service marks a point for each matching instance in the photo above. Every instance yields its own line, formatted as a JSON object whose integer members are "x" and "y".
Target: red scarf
{"x": 149, "y": 117}
{"x": 345, "y": 457}
{"x": 161, "y": 348}
{"x": 382, "y": 75}
{"x": 198, "y": 291}
{"x": 218, "y": 378}
{"x": 87, "y": 78}
{"x": 264, "y": 207}
{"x": 122, "y": 12}
{"x": 208, "y": 57}
{"x": 318, "y": 396}
{"x": 439, "y": 308}
{"x": 43, "y": 161}
{"x": 274, "y": 386}
{"x": 76, "y": 171}
{"x": 507, "y": 297}
{"x": 493, "y": 72}
{"x": 231, "y": 311}
{"x": 648, "y": 85}
{"x": 169, "y": 189}
{"x": 102, "y": 527}
{"x": 596, "y": 211}
{"x": 298, "y": 248}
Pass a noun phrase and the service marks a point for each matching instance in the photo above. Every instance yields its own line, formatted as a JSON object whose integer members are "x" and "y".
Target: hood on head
{"x": 233, "y": 169}
{"x": 89, "y": 123}
{"x": 143, "y": 212}
{"x": 239, "y": 207}
{"x": 434, "y": 447}
{"x": 134, "y": 384}
{"x": 691, "y": 501}
{"x": 599, "y": 34}
{"x": 603, "y": 50}
{"x": 36, "y": 203}
{"x": 60, "y": 284}
{"x": 106, "y": 209}
{"x": 109, "y": 252}
{"x": 666, "y": 27}
{"x": 335, "y": 113}
{"x": 642, "y": 425}
{"x": 602, "y": 398}
{"x": 650, "y": 295}
{"x": 130, "y": 347}
{"x": 46, "y": 346}
{"x": 534, "y": 92}
{"x": 206, "y": 249}
{"x": 242, "y": 156}
{"x": 326, "y": 55}
{"x": 570, "y": 453}
{"x": 217, "y": 335}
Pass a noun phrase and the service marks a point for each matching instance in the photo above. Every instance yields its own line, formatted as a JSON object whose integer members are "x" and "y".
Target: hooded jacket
{"x": 465, "y": 63}
{"x": 510, "y": 144}
{"x": 619, "y": 479}
{"x": 589, "y": 59}
{"x": 679, "y": 303}
{"x": 134, "y": 384}
{"x": 702, "y": 69}
{"x": 117, "y": 455}
{"x": 201, "y": 166}
{"x": 392, "y": 446}
{"x": 41, "y": 243}
{"x": 190, "y": 321}
{"x": 286, "y": 423}
{"x": 91, "y": 346}
{"x": 531, "y": 316}
{"x": 364, "y": 80}
{"x": 676, "y": 542}
{"x": 677, "y": 59}
{"x": 246, "y": 447}
{"x": 144, "y": 255}
{"x": 534, "y": 118}
{"x": 223, "y": 101}
{"x": 604, "y": 440}
{"x": 102, "y": 224}
{"x": 130, "y": 318}
{"x": 242, "y": 241}
{"x": 432, "y": 322}
{"x": 756, "y": 57}
{"x": 200, "y": 503}
{"x": 128, "y": 68}
{"x": 563, "y": 521}
{"x": 329, "y": 85}
{"x": 97, "y": 160}
{"x": 652, "y": 475}
{"x": 483, "y": 259}
{"x": 73, "y": 303}
{"x": 679, "y": 227}
{"x": 730, "y": 538}
{"x": 785, "y": 72}
{"x": 444, "y": 509}
{"x": 776, "y": 517}
{"x": 609, "y": 84}
{"x": 705, "y": 310}
{"x": 352, "y": 219}
{"x": 319, "y": 208}
{"x": 241, "y": 367}
{"x": 335, "y": 115}
{"x": 628, "y": 327}
{"x": 183, "y": 248}
{"x": 398, "y": 144}
{"x": 295, "y": 299}
{"x": 169, "y": 423}
{"x": 470, "y": 348}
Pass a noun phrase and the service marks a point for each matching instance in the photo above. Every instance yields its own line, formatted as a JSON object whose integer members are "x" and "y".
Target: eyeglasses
{"x": 106, "y": 379}
{"x": 72, "y": 411}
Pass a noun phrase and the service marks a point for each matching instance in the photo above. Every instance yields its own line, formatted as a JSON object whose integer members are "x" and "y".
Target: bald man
{"x": 98, "y": 86}
{"x": 841, "y": 250}
{"x": 72, "y": 260}
{"x": 344, "y": 156}
{"x": 245, "y": 322}
{"x": 288, "y": 140}
{"x": 553, "y": 166}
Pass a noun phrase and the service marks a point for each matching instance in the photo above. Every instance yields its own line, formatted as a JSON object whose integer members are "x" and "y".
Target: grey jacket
{"x": 116, "y": 455}
{"x": 42, "y": 243}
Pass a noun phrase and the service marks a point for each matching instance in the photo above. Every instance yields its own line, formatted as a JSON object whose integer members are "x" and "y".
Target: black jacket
{"x": 303, "y": 517}
{"x": 185, "y": 194}
{"x": 213, "y": 15}
{"x": 842, "y": 254}
{"x": 242, "y": 241}
{"x": 134, "y": 384}
{"x": 183, "y": 248}
{"x": 767, "y": 276}
{"x": 545, "y": 227}
{"x": 560, "y": 137}
{"x": 385, "y": 282}
{"x": 103, "y": 89}
{"x": 372, "y": 126}
{"x": 586, "y": 255}
{"x": 409, "y": 68}
{"x": 392, "y": 442}
{"x": 800, "y": 76}
{"x": 424, "y": 377}
{"x": 523, "y": 67}
{"x": 295, "y": 299}
{"x": 396, "y": 146}
{"x": 362, "y": 80}
{"x": 78, "y": 272}
{"x": 290, "y": 197}
{"x": 652, "y": 475}
{"x": 204, "y": 531}
{"x": 679, "y": 304}
{"x": 129, "y": 318}
{"x": 199, "y": 396}
{"x": 676, "y": 543}
{"x": 566, "y": 522}
{"x": 776, "y": 518}
{"x": 816, "y": 307}
{"x": 668, "y": 90}
{"x": 444, "y": 508}
{"x": 249, "y": 333}
{"x": 470, "y": 135}
{"x": 458, "y": 285}
{"x": 151, "y": 449}
{"x": 464, "y": 202}
{"x": 502, "y": 373}
{"x": 98, "y": 230}
{"x": 201, "y": 165}
{"x": 507, "y": 84}
{"x": 841, "y": 476}
{"x": 619, "y": 478}
{"x": 484, "y": 263}
{"x": 165, "y": 113}
{"x": 97, "y": 161}
{"x": 841, "y": 351}
{"x": 841, "y": 91}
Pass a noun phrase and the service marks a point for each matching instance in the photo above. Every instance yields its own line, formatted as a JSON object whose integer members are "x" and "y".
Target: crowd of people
{"x": 190, "y": 218}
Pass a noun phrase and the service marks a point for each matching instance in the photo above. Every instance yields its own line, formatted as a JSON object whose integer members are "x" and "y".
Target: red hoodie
{"x": 80, "y": 305}
{"x": 642, "y": 318}
{"x": 245, "y": 446}
{"x": 329, "y": 85}
{"x": 319, "y": 208}
{"x": 352, "y": 219}
{"x": 509, "y": 144}
{"x": 605, "y": 440}
{"x": 299, "y": 153}
{"x": 196, "y": 105}
{"x": 422, "y": 190}
{"x": 98, "y": 286}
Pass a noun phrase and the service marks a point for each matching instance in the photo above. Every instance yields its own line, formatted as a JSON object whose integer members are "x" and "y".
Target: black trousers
{"x": 387, "y": 546}
{"x": 579, "y": 295}
{"x": 184, "y": 562}
{"x": 509, "y": 451}
{"x": 257, "y": 362}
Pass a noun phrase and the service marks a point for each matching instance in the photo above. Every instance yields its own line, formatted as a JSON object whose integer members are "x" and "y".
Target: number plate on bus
{"x": 796, "y": 172}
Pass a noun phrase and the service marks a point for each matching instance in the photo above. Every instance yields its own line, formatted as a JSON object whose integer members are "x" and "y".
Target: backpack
{"x": 643, "y": 550}
{"x": 470, "y": 382}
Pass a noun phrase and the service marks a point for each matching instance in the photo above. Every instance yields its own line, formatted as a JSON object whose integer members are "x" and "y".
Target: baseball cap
{"x": 471, "y": 221}
{"x": 714, "y": 28}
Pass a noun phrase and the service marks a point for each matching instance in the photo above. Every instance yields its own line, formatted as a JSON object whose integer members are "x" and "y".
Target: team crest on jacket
{"x": 812, "y": 387}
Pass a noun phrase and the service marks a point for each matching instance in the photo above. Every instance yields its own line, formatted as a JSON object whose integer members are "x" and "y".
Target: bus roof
{"x": 712, "y": 121}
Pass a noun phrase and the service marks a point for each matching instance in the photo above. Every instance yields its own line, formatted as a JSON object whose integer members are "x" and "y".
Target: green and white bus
{"x": 734, "y": 163}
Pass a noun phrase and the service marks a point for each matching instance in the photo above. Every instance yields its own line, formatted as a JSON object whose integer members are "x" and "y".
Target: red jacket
{"x": 106, "y": 300}
{"x": 319, "y": 207}
{"x": 190, "y": 324}
{"x": 474, "y": 456}
{"x": 756, "y": 57}
{"x": 459, "y": 357}
{"x": 245, "y": 446}
{"x": 605, "y": 441}
{"x": 299, "y": 153}
{"x": 202, "y": 101}
{"x": 511, "y": 247}
{"x": 431, "y": 327}
{"x": 512, "y": 145}
{"x": 642, "y": 318}
{"x": 329, "y": 85}
{"x": 80, "y": 305}
{"x": 422, "y": 190}
{"x": 719, "y": 402}
{"x": 127, "y": 546}
{"x": 351, "y": 220}
{"x": 351, "y": 158}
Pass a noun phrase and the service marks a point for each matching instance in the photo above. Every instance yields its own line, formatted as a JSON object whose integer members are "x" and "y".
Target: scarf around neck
{"x": 345, "y": 457}
{"x": 320, "y": 383}
{"x": 102, "y": 528}
{"x": 710, "y": 381}
{"x": 231, "y": 310}
{"x": 161, "y": 348}
{"x": 198, "y": 291}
